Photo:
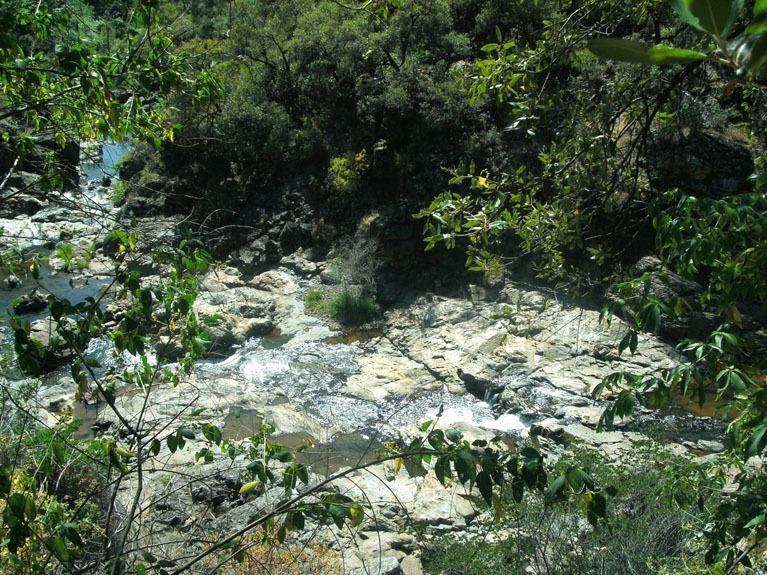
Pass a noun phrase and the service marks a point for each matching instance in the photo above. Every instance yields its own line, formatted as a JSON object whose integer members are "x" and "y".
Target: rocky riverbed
{"x": 513, "y": 361}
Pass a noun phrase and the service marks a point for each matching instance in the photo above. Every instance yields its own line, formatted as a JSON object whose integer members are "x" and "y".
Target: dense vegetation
{"x": 524, "y": 133}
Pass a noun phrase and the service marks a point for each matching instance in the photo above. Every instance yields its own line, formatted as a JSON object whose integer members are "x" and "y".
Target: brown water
{"x": 275, "y": 339}
{"x": 343, "y": 449}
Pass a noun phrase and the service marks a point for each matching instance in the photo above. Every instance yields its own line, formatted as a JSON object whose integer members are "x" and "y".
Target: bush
{"x": 118, "y": 193}
{"x": 647, "y": 531}
{"x": 351, "y": 308}
{"x": 315, "y": 302}
{"x": 345, "y": 173}
{"x": 58, "y": 479}
{"x": 348, "y": 307}
{"x": 264, "y": 555}
{"x": 356, "y": 264}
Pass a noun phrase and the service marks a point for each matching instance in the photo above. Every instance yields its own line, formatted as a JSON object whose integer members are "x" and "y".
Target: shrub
{"x": 356, "y": 264}
{"x": 647, "y": 531}
{"x": 58, "y": 481}
{"x": 345, "y": 173}
{"x": 118, "y": 193}
{"x": 315, "y": 302}
{"x": 351, "y": 308}
{"x": 265, "y": 555}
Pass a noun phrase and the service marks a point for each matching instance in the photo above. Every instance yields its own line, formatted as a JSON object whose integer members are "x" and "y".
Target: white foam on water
{"x": 480, "y": 415}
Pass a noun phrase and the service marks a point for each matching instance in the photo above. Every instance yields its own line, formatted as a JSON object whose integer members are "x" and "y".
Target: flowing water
{"x": 92, "y": 201}
{"x": 311, "y": 376}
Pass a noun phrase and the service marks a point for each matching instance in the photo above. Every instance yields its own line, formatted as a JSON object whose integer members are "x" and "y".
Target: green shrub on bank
{"x": 347, "y": 307}
{"x": 353, "y": 309}
{"x": 118, "y": 193}
{"x": 51, "y": 484}
{"x": 345, "y": 174}
{"x": 653, "y": 526}
{"x": 315, "y": 303}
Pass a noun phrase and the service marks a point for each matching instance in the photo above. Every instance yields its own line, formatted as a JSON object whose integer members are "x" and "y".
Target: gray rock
{"x": 411, "y": 565}
{"x": 293, "y": 236}
{"x": 257, "y": 256}
{"x": 375, "y": 566}
{"x": 55, "y": 351}
{"x": 685, "y": 162}
{"x": 252, "y": 327}
{"x": 478, "y": 386}
{"x": 16, "y": 204}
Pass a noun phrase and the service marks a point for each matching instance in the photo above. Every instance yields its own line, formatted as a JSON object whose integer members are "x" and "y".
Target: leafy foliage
{"x": 720, "y": 240}
{"x": 583, "y": 211}
{"x": 58, "y": 80}
{"x": 357, "y": 107}
{"x": 644, "y": 532}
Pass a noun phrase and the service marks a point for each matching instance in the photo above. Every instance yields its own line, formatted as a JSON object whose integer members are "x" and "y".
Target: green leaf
{"x": 638, "y": 53}
{"x": 597, "y": 508}
{"x": 485, "y": 485}
{"x": 575, "y": 478}
{"x": 760, "y": 9}
{"x": 299, "y": 521}
{"x": 517, "y": 489}
{"x": 555, "y": 488}
{"x": 283, "y": 455}
{"x": 453, "y": 435}
{"x": 633, "y": 342}
{"x": 683, "y": 11}
{"x": 59, "y": 547}
{"x": 713, "y": 16}
{"x": 5, "y": 482}
{"x": 758, "y": 441}
{"x": 442, "y": 469}
{"x": 757, "y": 56}
{"x": 59, "y": 452}
{"x": 465, "y": 466}
{"x": 302, "y": 473}
{"x": 356, "y": 514}
{"x": 249, "y": 487}
{"x": 71, "y": 533}
{"x": 212, "y": 433}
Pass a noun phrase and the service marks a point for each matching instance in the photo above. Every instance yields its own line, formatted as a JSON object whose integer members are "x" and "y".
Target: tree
{"x": 723, "y": 241}
{"x": 54, "y": 487}
{"x": 68, "y": 75}
{"x": 583, "y": 210}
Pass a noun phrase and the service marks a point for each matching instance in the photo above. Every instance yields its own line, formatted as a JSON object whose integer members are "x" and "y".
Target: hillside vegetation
{"x": 609, "y": 153}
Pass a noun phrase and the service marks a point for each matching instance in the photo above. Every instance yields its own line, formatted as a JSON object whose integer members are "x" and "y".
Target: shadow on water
{"x": 74, "y": 288}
